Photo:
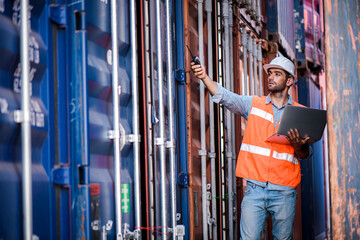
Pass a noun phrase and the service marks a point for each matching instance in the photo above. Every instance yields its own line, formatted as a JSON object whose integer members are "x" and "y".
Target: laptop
{"x": 309, "y": 122}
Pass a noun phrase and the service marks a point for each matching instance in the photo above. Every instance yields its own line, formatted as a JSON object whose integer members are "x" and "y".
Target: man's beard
{"x": 276, "y": 87}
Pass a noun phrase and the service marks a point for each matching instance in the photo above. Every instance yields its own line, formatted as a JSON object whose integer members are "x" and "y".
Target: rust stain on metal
{"x": 352, "y": 190}
{"x": 353, "y": 215}
{"x": 358, "y": 61}
{"x": 328, "y": 6}
{"x": 347, "y": 92}
{"x": 352, "y": 36}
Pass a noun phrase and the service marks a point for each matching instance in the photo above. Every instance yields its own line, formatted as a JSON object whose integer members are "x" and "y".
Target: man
{"x": 272, "y": 170}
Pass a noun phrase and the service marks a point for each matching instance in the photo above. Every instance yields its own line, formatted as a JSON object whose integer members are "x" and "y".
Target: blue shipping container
{"x": 10, "y": 140}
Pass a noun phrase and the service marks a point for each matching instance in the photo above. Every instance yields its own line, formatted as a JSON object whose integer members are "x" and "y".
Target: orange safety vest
{"x": 264, "y": 161}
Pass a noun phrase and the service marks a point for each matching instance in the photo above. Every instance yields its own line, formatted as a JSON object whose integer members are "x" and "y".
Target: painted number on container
{"x": 125, "y": 198}
{"x": 34, "y": 52}
{"x": 2, "y": 6}
{"x": 37, "y": 116}
{"x": 34, "y": 56}
{"x": 3, "y": 106}
{"x": 16, "y": 14}
{"x": 17, "y": 79}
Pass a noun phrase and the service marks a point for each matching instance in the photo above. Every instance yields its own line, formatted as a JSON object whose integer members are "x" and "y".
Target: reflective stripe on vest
{"x": 285, "y": 156}
{"x": 266, "y": 152}
{"x": 255, "y": 149}
{"x": 261, "y": 113}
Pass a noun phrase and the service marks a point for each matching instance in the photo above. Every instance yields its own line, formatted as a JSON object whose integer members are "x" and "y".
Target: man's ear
{"x": 290, "y": 81}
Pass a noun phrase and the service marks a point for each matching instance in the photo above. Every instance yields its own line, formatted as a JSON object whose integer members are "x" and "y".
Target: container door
{"x": 100, "y": 110}
{"x": 91, "y": 118}
{"x": 40, "y": 52}
{"x": 312, "y": 186}
{"x": 156, "y": 112}
{"x": 318, "y": 172}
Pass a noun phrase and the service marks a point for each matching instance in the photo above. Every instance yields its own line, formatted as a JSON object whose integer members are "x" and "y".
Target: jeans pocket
{"x": 289, "y": 193}
{"x": 249, "y": 187}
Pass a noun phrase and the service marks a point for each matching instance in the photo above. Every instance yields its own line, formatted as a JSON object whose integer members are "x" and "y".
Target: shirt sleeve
{"x": 238, "y": 104}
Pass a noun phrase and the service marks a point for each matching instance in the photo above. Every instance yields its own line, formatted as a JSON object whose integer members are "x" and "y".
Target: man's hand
{"x": 300, "y": 144}
{"x": 198, "y": 70}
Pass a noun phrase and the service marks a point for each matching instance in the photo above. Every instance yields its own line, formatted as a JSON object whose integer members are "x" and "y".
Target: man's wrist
{"x": 302, "y": 151}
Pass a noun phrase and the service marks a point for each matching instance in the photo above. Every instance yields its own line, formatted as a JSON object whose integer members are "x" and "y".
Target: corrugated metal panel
{"x": 281, "y": 24}
{"x": 11, "y": 220}
{"x": 343, "y": 98}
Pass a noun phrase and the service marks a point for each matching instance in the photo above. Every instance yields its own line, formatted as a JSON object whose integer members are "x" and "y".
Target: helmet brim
{"x": 268, "y": 66}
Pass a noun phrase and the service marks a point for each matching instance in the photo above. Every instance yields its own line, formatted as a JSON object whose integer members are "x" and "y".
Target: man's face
{"x": 277, "y": 80}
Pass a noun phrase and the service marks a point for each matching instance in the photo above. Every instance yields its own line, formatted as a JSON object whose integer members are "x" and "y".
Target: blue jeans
{"x": 258, "y": 203}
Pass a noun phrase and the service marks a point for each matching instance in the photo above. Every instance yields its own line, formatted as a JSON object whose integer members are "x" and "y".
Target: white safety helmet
{"x": 281, "y": 63}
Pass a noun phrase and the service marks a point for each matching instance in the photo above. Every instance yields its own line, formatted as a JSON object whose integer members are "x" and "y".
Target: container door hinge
{"x": 159, "y": 141}
{"x": 57, "y": 14}
{"x": 121, "y": 134}
{"x": 180, "y": 75}
{"x": 211, "y": 221}
{"x": 136, "y": 234}
{"x": 180, "y": 232}
{"x": 184, "y": 179}
{"x": 105, "y": 229}
{"x": 20, "y": 117}
{"x": 61, "y": 175}
{"x": 133, "y": 138}
{"x": 170, "y": 144}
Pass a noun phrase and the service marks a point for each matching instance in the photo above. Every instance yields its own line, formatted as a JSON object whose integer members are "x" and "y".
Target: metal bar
{"x": 149, "y": 132}
{"x": 245, "y": 85}
{"x": 222, "y": 181}
{"x": 25, "y": 124}
{"x": 228, "y": 121}
{"x": 161, "y": 119}
{"x": 326, "y": 146}
{"x": 212, "y": 154}
{"x": 233, "y": 192}
{"x": 259, "y": 51}
{"x": 181, "y": 107}
{"x": 255, "y": 67}
{"x": 221, "y": 168}
{"x": 203, "y": 150}
{"x": 250, "y": 48}
{"x": 135, "y": 114}
{"x": 171, "y": 117}
{"x": 258, "y": 12}
{"x": 116, "y": 116}
{"x": 189, "y": 121}
{"x": 314, "y": 31}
